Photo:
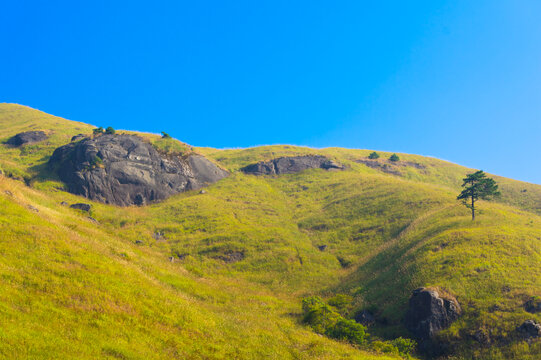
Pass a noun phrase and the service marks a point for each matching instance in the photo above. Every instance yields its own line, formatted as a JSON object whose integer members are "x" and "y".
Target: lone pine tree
{"x": 477, "y": 186}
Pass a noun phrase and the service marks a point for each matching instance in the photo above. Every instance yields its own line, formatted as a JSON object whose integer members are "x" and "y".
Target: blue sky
{"x": 458, "y": 80}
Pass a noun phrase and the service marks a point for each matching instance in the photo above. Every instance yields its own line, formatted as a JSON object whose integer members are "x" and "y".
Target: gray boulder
{"x": 291, "y": 164}
{"x": 81, "y": 206}
{"x": 529, "y": 329}
{"x": 428, "y": 313}
{"x": 27, "y": 137}
{"x": 533, "y": 305}
{"x": 126, "y": 170}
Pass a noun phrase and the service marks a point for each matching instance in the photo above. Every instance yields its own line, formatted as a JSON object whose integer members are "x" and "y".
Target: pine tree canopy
{"x": 477, "y": 186}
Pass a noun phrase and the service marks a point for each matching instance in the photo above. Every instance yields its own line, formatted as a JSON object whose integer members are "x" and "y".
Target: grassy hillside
{"x": 71, "y": 286}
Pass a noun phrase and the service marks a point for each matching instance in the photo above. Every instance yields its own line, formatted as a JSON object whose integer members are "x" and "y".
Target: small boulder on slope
{"x": 529, "y": 329}
{"x": 81, "y": 206}
{"x": 428, "y": 313}
{"x": 27, "y": 137}
{"x": 533, "y": 305}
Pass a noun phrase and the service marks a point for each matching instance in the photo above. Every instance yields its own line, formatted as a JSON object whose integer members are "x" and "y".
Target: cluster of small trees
{"x": 329, "y": 320}
{"x": 374, "y": 155}
{"x": 325, "y": 319}
{"x": 100, "y": 130}
{"x": 110, "y": 131}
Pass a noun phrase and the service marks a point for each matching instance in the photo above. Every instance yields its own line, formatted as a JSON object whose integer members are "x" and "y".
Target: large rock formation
{"x": 27, "y": 137}
{"x": 292, "y": 164}
{"x": 428, "y": 313}
{"x": 126, "y": 170}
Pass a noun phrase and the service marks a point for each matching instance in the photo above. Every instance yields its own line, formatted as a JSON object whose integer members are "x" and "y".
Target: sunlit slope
{"x": 385, "y": 236}
{"x": 27, "y": 161}
{"x": 70, "y": 290}
{"x": 411, "y": 167}
{"x": 386, "y": 229}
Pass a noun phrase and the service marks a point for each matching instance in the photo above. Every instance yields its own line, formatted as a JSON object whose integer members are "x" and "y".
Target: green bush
{"x": 318, "y": 314}
{"x": 324, "y": 319}
{"x": 342, "y": 303}
{"x": 405, "y": 346}
{"x": 399, "y": 346}
{"x": 373, "y": 155}
{"x": 165, "y": 135}
{"x": 384, "y": 347}
{"x": 110, "y": 130}
{"x": 98, "y": 131}
{"x": 394, "y": 157}
{"x": 349, "y": 330}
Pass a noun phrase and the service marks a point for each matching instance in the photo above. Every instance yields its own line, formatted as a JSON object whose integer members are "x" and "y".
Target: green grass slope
{"x": 389, "y": 228}
{"x": 72, "y": 290}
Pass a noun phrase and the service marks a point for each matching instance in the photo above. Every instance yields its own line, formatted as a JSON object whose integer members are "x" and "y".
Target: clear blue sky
{"x": 459, "y": 80}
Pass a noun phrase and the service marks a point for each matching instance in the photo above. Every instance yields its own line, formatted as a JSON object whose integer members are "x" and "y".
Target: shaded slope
{"x": 493, "y": 266}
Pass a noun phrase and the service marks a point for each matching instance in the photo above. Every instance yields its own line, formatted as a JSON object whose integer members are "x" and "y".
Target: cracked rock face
{"x": 291, "y": 164}
{"x": 428, "y": 313}
{"x": 125, "y": 170}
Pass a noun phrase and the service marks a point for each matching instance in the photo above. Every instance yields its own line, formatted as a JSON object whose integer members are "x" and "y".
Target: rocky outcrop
{"x": 125, "y": 170}
{"x": 533, "y": 305}
{"x": 291, "y": 164}
{"x": 27, "y": 137}
{"x": 529, "y": 329}
{"x": 390, "y": 167}
{"x": 428, "y": 313}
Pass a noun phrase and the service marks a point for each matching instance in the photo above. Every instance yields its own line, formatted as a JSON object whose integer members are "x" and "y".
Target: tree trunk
{"x": 472, "y": 209}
